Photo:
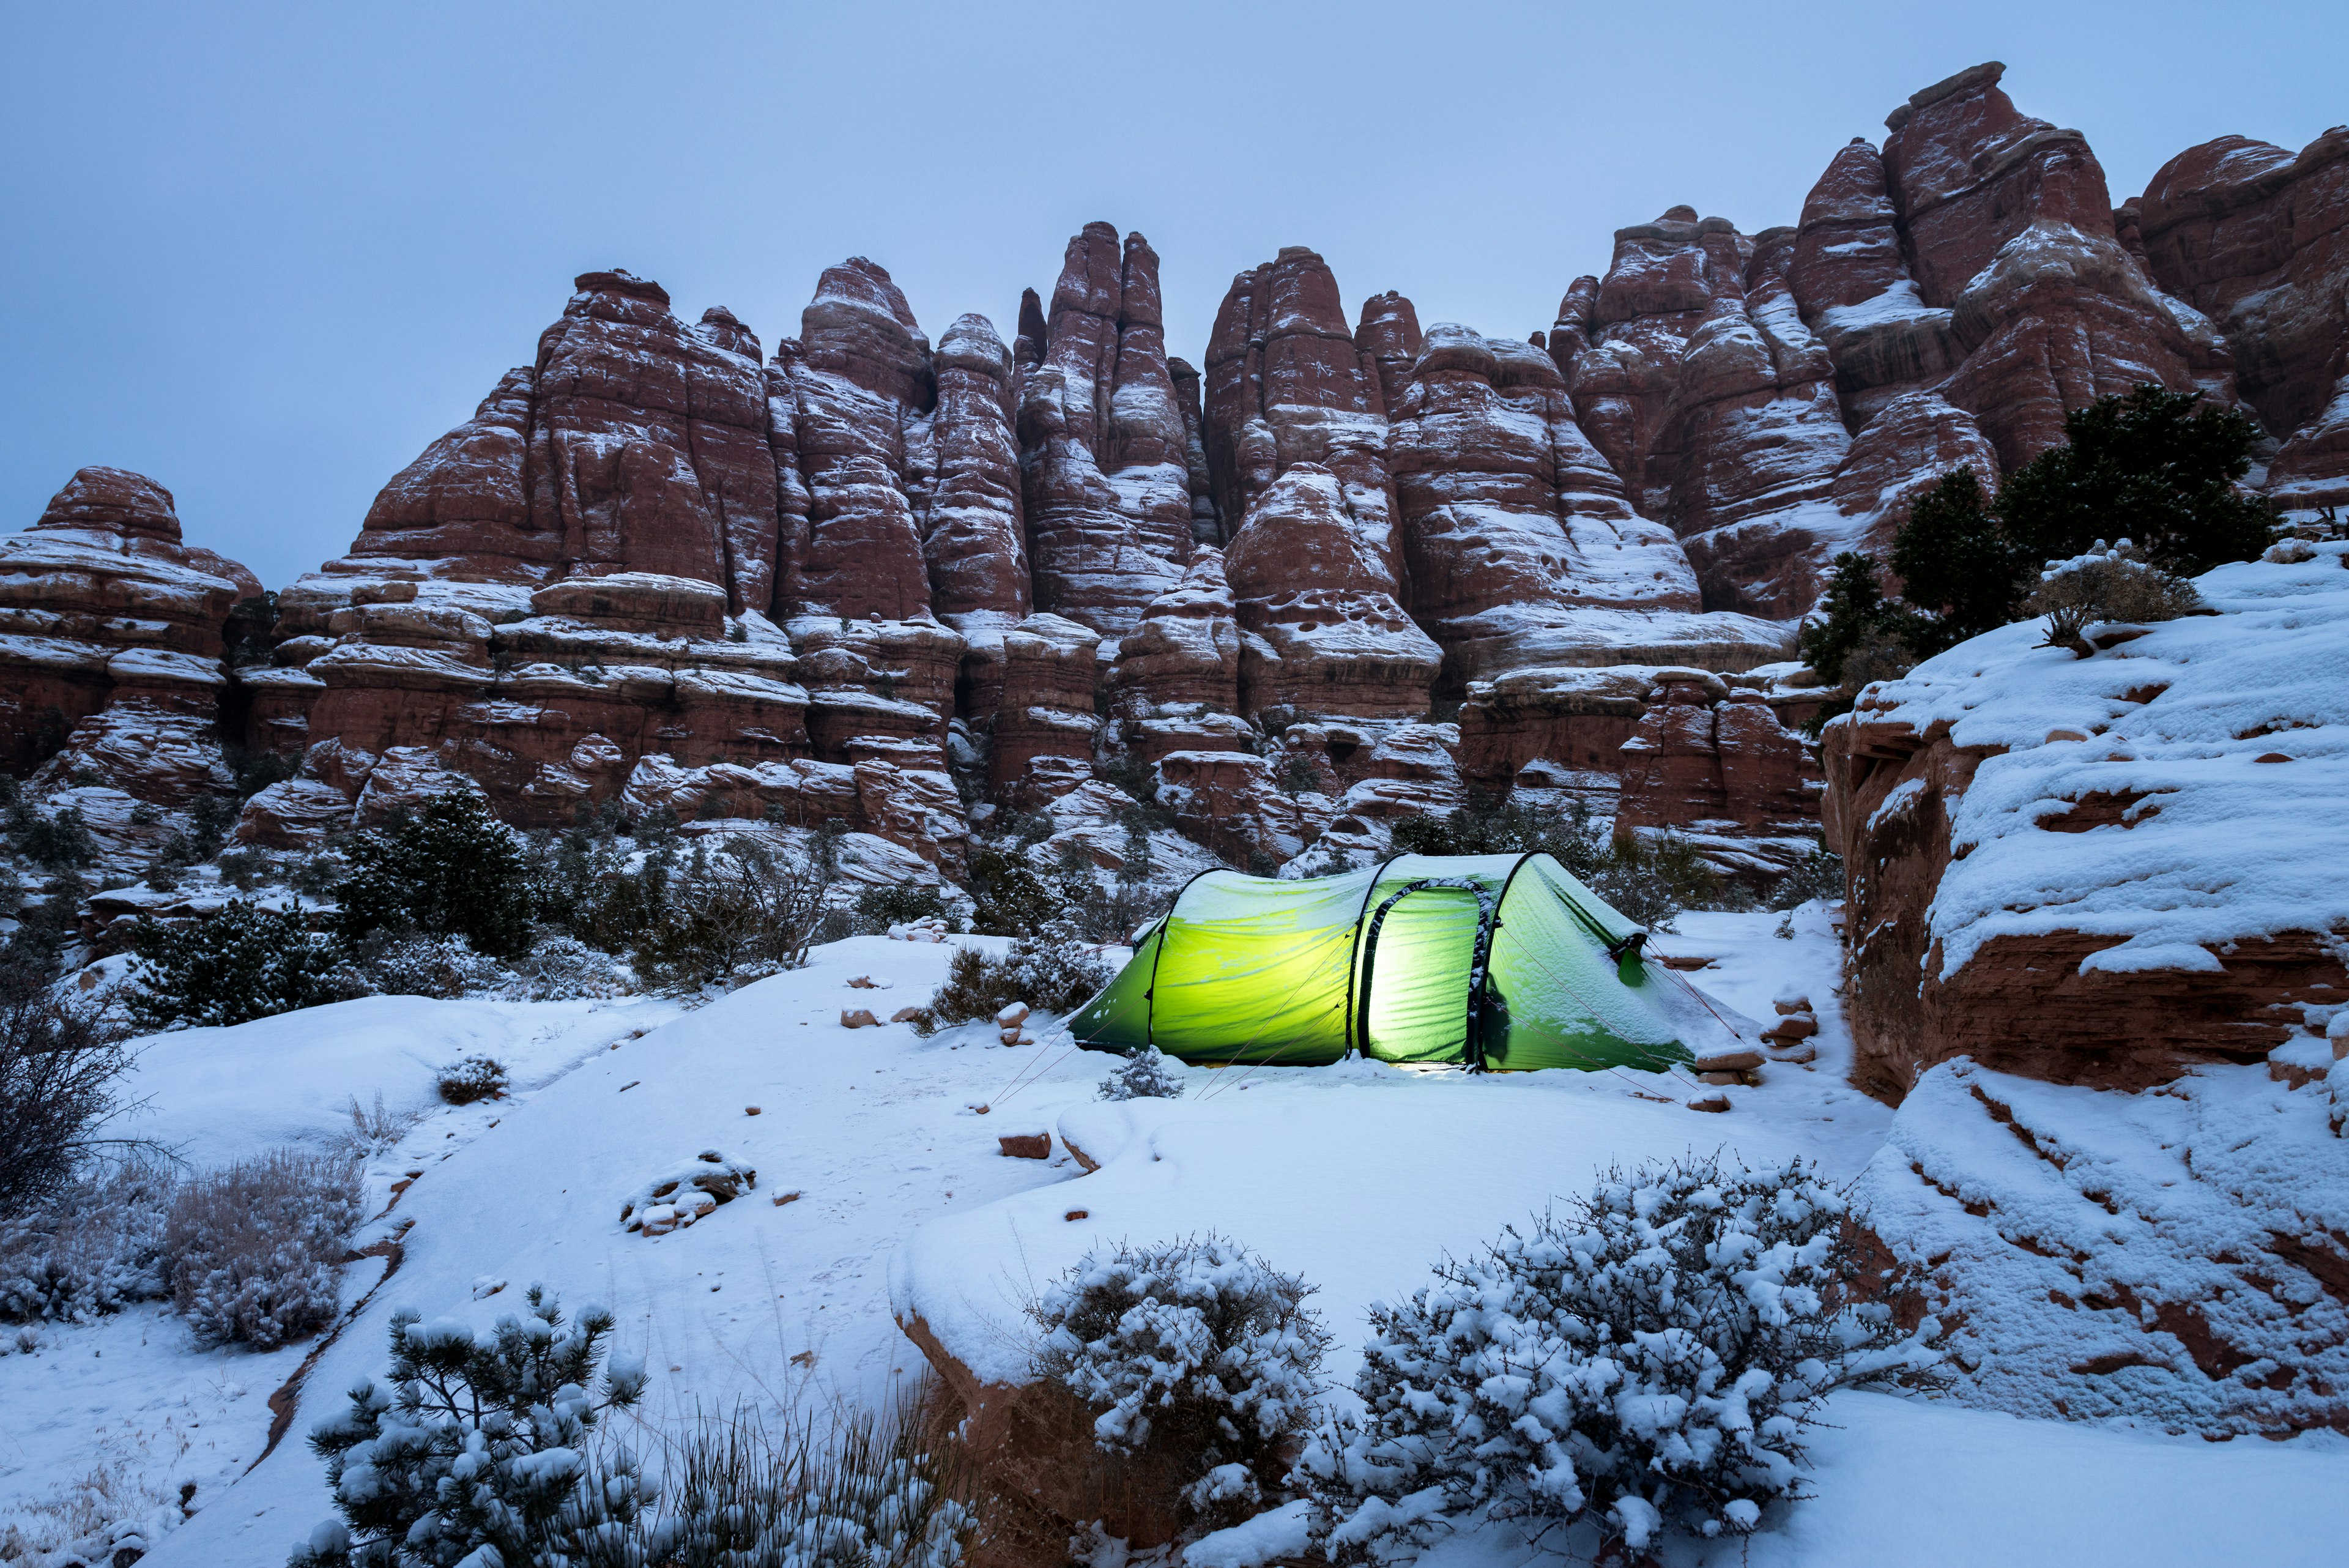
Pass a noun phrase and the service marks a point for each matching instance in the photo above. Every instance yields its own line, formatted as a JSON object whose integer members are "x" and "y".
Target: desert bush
{"x": 561, "y": 967}
{"x": 35, "y": 950}
{"x": 2106, "y": 584}
{"x": 447, "y": 869}
{"x": 111, "y": 1515}
{"x": 479, "y": 1451}
{"x": 375, "y": 1130}
{"x": 239, "y": 964}
{"x": 254, "y": 1247}
{"x": 60, "y": 1062}
{"x": 1145, "y": 1075}
{"x": 1049, "y": 975}
{"x": 92, "y": 1245}
{"x": 732, "y": 917}
{"x": 416, "y": 965}
{"x": 473, "y": 1078}
{"x": 58, "y": 842}
{"x": 1196, "y": 1354}
{"x": 1818, "y": 875}
{"x": 243, "y": 869}
{"x": 1644, "y": 1363}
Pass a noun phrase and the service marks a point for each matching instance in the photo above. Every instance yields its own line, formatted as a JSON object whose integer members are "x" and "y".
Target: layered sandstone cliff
{"x": 2103, "y": 870}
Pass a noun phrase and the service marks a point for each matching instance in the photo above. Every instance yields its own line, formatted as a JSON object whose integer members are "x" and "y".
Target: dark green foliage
{"x": 1955, "y": 560}
{"x": 729, "y": 918}
{"x": 1010, "y": 898}
{"x": 236, "y": 964}
{"x": 2145, "y": 466}
{"x": 44, "y": 931}
{"x": 479, "y": 1449}
{"x": 53, "y": 843}
{"x": 1857, "y": 614}
{"x": 878, "y": 908}
{"x": 257, "y": 770}
{"x": 447, "y": 869}
{"x": 247, "y": 634}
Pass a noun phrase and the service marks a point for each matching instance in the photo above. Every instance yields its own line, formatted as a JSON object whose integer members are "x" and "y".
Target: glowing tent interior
{"x": 1498, "y": 961}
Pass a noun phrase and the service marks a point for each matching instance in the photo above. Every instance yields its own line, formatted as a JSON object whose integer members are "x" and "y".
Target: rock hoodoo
{"x": 1337, "y": 574}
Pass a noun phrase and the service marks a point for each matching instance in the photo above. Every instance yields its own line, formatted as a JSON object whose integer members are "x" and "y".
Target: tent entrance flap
{"x": 1419, "y": 957}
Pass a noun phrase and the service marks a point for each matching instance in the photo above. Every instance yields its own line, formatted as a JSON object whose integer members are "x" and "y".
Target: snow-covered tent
{"x": 1487, "y": 960}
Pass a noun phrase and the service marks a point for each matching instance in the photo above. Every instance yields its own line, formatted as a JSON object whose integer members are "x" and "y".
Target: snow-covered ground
{"x": 1357, "y": 1177}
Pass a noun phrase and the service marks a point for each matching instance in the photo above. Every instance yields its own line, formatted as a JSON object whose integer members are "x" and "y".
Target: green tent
{"x": 1488, "y": 961}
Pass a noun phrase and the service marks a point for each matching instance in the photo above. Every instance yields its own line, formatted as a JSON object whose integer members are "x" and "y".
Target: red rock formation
{"x": 2258, "y": 239}
{"x": 1046, "y": 709}
{"x": 1176, "y": 684}
{"x": 1325, "y": 632}
{"x": 112, "y": 664}
{"x": 1522, "y": 548}
{"x": 1716, "y": 765}
{"x": 971, "y": 530}
{"x": 1286, "y": 384}
{"x": 859, "y": 373}
{"x": 2007, "y": 220}
{"x": 1103, "y": 441}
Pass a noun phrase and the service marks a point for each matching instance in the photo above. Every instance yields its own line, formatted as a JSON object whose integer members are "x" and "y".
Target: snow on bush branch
{"x": 1645, "y": 1362}
{"x": 1198, "y": 1353}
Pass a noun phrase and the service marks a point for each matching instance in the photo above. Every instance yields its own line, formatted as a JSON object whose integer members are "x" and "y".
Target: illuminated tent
{"x": 1501, "y": 961}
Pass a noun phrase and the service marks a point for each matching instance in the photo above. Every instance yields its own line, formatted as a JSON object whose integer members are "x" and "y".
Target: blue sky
{"x": 265, "y": 254}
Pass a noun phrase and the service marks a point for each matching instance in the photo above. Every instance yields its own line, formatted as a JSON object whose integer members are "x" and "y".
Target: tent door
{"x": 1417, "y": 960}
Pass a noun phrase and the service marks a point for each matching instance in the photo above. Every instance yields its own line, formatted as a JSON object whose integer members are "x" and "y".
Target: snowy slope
{"x": 1357, "y": 1176}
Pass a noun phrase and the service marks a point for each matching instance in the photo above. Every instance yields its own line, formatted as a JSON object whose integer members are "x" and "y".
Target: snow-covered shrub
{"x": 1050, "y": 974}
{"x": 59, "y": 1063}
{"x": 442, "y": 966}
{"x": 94, "y": 1246}
{"x": 730, "y": 918}
{"x": 2106, "y": 584}
{"x": 687, "y": 1191}
{"x": 476, "y": 1077}
{"x": 561, "y": 967}
{"x": 1645, "y": 1362}
{"x": 1195, "y": 1353}
{"x": 375, "y": 1130}
{"x": 848, "y": 1488}
{"x": 254, "y": 1248}
{"x": 479, "y": 1451}
{"x": 1145, "y": 1075}
{"x": 241, "y": 962}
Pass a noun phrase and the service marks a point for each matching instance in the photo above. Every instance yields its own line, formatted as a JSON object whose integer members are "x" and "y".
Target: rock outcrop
{"x": 1715, "y": 766}
{"x": 2101, "y": 869}
{"x": 2257, "y": 239}
{"x": 112, "y": 669}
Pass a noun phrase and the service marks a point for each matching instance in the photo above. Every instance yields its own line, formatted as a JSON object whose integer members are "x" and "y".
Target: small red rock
{"x": 1027, "y": 1145}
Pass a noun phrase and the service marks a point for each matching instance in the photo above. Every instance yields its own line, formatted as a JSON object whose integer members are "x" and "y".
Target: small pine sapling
{"x": 1145, "y": 1075}
{"x": 479, "y": 1449}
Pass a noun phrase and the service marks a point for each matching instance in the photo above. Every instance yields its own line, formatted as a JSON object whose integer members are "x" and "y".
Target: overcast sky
{"x": 265, "y": 254}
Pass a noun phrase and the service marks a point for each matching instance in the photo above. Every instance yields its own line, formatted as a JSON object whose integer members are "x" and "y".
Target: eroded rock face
{"x": 1103, "y": 444}
{"x": 1522, "y": 547}
{"x": 2098, "y": 870}
{"x": 1717, "y": 766}
{"x": 2257, "y": 239}
{"x": 112, "y": 669}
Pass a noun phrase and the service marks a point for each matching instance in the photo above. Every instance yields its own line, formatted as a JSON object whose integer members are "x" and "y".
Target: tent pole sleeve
{"x": 1354, "y": 951}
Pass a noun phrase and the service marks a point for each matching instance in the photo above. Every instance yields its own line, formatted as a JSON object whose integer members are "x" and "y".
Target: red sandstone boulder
{"x": 1176, "y": 684}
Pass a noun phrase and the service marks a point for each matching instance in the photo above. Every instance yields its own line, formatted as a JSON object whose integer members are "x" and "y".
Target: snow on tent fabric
{"x": 1502, "y": 961}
